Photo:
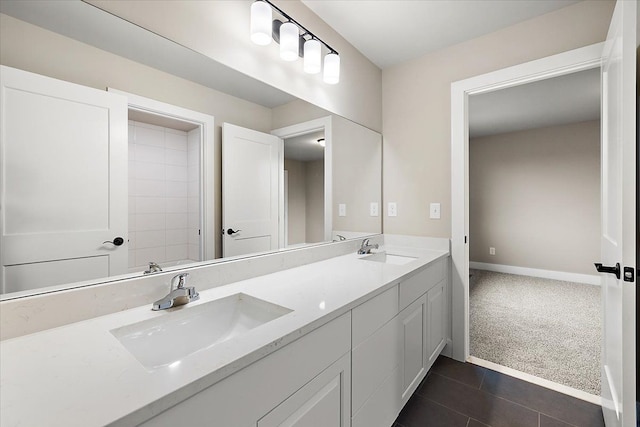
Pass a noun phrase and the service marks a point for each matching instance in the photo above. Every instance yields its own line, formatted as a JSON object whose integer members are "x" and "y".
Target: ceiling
{"x": 392, "y": 31}
{"x": 304, "y": 148}
{"x": 561, "y": 100}
{"x": 389, "y": 32}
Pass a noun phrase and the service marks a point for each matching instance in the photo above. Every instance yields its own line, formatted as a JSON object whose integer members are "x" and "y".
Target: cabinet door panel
{"x": 413, "y": 334}
{"x": 384, "y": 404}
{"x": 324, "y": 401}
{"x": 373, "y": 361}
{"x": 435, "y": 322}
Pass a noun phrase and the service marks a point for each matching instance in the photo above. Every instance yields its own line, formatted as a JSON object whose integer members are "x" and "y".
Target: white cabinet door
{"x": 436, "y": 322}
{"x": 323, "y": 402}
{"x": 63, "y": 181}
{"x": 251, "y": 164}
{"x": 373, "y": 361}
{"x": 413, "y": 321}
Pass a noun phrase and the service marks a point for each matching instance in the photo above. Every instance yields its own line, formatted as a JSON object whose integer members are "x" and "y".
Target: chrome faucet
{"x": 180, "y": 295}
{"x": 154, "y": 267}
{"x": 365, "y": 248}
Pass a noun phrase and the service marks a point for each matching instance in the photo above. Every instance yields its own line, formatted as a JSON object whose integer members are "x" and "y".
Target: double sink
{"x": 168, "y": 338}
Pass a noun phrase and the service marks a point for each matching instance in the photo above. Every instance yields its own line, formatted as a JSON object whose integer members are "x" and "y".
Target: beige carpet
{"x": 546, "y": 328}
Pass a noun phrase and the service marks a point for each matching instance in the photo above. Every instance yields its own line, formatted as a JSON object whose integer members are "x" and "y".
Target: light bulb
{"x": 261, "y": 23}
{"x": 331, "y": 68}
{"x": 289, "y": 41}
{"x": 312, "y": 56}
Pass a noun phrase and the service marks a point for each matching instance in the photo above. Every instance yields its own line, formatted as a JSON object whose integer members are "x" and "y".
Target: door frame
{"x": 303, "y": 128}
{"x": 553, "y": 66}
{"x": 207, "y": 160}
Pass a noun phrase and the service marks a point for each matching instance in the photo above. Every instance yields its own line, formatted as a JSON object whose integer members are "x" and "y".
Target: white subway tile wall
{"x": 164, "y": 195}
{"x": 193, "y": 239}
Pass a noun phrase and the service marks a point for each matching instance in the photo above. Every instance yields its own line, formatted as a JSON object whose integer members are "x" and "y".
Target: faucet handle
{"x": 182, "y": 279}
{"x": 154, "y": 267}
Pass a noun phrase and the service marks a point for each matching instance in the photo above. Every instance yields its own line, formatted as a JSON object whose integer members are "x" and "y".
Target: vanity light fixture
{"x": 290, "y": 35}
{"x": 261, "y": 23}
{"x": 312, "y": 56}
{"x": 331, "y": 68}
{"x": 289, "y": 41}
{"x": 321, "y": 142}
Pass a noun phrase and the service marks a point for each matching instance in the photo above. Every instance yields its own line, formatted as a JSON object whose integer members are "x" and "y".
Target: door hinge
{"x": 629, "y": 273}
{"x": 465, "y": 239}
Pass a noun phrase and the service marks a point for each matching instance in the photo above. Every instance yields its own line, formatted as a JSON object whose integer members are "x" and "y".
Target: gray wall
{"x": 315, "y": 201}
{"x": 305, "y": 216}
{"x": 535, "y": 197}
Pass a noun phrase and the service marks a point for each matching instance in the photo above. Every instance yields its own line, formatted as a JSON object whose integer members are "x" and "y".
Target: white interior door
{"x": 63, "y": 180}
{"x": 618, "y": 217}
{"x": 251, "y": 164}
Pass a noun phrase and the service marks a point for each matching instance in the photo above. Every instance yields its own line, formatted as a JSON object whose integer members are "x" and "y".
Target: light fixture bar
{"x": 302, "y": 27}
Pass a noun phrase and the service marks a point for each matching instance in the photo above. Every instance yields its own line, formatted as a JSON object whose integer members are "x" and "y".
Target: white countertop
{"x": 81, "y": 375}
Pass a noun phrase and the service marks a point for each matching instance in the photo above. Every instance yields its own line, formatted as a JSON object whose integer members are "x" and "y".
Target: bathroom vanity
{"x": 336, "y": 342}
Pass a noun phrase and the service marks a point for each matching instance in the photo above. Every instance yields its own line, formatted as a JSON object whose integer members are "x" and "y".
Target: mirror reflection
{"x": 180, "y": 188}
{"x": 304, "y": 189}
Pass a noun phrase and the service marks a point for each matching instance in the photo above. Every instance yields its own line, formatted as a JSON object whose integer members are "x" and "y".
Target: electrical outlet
{"x": 492, "y": 251}
{"x": 342, "y": 209}
{"x": 373, "y": 209}
{"x": 392, "y": 209}
{"x": 434, "y": 211}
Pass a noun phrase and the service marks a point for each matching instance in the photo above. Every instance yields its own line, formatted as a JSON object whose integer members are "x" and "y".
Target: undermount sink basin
{"x": 167, "y": 339}
{"x": 388, "y": 258}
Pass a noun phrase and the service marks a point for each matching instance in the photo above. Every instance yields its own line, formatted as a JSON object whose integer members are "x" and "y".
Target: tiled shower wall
{"x": 160, "y": 209}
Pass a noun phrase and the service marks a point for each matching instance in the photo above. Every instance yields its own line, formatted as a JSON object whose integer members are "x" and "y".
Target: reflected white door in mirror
{"x": 251, "y": 162}
{"x": 64, "y": 182}
{"x": 88, "y": 194}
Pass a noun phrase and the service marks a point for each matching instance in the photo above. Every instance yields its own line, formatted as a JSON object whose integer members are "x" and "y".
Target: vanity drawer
{"x": 371, "y": 315}
{"x": 415, "y": 286}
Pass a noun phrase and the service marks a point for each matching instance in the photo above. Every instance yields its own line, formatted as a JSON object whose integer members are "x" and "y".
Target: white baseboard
{"x": 588, "y": 279}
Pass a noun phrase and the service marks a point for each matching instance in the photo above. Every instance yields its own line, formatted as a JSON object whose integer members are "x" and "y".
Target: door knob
{"x": 117, "y": 241}
{"x": 604, "y": 269}
{"x": 231, "y": 231}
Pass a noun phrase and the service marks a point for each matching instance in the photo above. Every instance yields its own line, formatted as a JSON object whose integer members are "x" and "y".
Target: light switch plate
{"x": 392, "y": 209}
{"x": 434, "y": 211}
{"x": 373, "y": 209}
{"x": 342, "y": 209}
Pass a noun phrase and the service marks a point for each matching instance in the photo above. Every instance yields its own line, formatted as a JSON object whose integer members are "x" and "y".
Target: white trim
{"x": 557, "y": 65}
{"x": 561, "y": 388}
{"x": 207, "y": 153}
{"x": 315, "y": 125}
{"x": 285, "y": 214}
{"x": 589, "y": 279}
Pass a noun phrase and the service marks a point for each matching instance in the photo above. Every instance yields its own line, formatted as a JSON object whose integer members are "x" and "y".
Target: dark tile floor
{"x": 461, "y": 394}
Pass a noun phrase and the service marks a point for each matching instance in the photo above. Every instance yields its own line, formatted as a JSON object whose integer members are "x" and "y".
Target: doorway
{"x": 304, "y": 189}
{"x": 554, "y": 66}
{"x": 170, "y": 184}
{"x": 310, "y": 134}
{"x": 534, "y": 215}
